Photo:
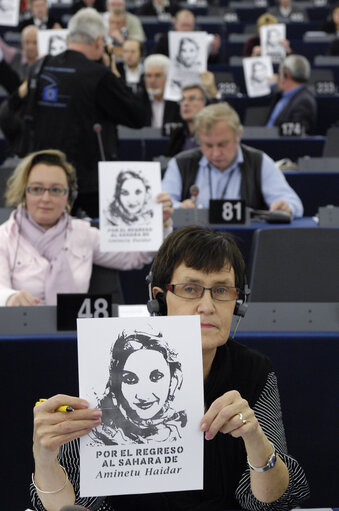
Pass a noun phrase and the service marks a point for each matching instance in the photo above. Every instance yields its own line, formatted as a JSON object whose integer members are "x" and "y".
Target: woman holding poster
{"x": 246, "y": 463}
{"x": 43, "y": 249}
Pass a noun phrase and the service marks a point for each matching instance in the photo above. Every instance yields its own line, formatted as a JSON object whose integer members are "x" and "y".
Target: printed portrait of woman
{"x": 137, "y": 407}
{"x": 131, "y": 199}
{"x": 259, "y": 75}
{"x": 56, "y": 44}
{"x": 188, "y": 54}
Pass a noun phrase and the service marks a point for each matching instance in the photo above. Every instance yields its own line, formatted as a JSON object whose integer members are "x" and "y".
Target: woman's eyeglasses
{"x": 54, "y": 191}
{"x": 193, "y": 291}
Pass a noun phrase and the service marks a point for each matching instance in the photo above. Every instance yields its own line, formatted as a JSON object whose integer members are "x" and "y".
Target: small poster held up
{"x": 9, "y": 13}
{"x": 188, "y": 55}
{"x": 270, "y": 41}
{"x": 52, "y": 42}
{"x": 130, "y": 217}
{"x": 143, "y": 380}
{"x": 257, "y": 71}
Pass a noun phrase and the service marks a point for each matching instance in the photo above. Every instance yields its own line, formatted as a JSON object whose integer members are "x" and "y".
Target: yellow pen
{"x": 63, "y": 408}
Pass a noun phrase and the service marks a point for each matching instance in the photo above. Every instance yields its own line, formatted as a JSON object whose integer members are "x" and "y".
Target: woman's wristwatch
{"x": 270, "y": 463}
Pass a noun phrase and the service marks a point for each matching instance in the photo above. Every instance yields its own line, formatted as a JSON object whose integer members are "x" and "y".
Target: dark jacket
{"x": 302, "y": 107}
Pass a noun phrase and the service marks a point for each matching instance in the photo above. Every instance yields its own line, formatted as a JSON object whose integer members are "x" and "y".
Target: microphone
{"x": 74, "y": 508}
{"x": 97, "y": 128}
{"x": 194, "y": 191}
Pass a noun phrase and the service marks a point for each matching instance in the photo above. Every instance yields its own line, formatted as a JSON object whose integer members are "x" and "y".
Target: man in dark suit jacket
{"x": 40, "y": 16}
{"x": 160, "y": 112}
{"x": 292, "y": 100}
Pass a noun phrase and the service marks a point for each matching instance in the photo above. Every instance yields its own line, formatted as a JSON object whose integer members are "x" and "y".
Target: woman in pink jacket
{"x": 43, "y": 250}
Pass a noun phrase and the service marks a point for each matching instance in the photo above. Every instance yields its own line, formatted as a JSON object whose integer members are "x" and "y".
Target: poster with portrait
{"x": 270, "y": 41}
{"x": 145, "y": 373}
{"x": 257, "y": 72}
{"x": 130, "y": 216}
{"x": 52, "y": 42}
{"x": 9, "y": 13}
{"x": 188, "y": 54}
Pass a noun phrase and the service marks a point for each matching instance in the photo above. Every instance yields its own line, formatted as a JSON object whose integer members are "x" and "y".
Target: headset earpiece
{"x": 241, "y": 306}
{"x": 158, "y": 305}
{"x": 73, "y": 194}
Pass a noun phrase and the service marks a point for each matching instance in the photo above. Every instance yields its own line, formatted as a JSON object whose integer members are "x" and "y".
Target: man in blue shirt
{"x": 223, "y": 168}
{"x": 293, "y": 101}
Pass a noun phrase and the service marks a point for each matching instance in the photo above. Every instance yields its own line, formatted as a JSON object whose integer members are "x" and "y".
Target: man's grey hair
{"x": 193, "y": 85}
{"x": 210, "y": 115}
{"x": 86, "y": 26}
{"x": 157, "y": 59}
{"x": 298, "y": 66}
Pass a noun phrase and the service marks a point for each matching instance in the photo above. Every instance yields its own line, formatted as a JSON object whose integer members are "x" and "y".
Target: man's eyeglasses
{"x": 193, "y": 291}
{"x": 190, "y": 99}
{"x": 54, "y": 191}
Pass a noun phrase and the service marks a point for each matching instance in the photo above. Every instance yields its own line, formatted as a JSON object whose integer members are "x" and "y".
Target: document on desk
{"x": 142, "y": 373}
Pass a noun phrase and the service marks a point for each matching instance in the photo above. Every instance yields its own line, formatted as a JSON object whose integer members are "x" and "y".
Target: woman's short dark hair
{"x": 199, "y": 248}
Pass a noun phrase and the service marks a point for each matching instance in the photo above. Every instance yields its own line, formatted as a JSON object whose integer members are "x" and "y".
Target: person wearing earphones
{"x": 246, "y": 465}
{"x": 43, "y": 250}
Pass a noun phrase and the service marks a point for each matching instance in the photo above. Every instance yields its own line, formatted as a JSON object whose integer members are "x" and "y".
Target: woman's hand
{"x": 23, "y": 297}
{"x": 52, "y": 429}
{"x": 167, "y": 208}
{"x": 230, "y": 413}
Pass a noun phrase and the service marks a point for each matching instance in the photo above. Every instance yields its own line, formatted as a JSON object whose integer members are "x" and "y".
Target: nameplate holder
{"x": 228, "y": 212}
{"x": 71, "y": 306}
{"x": 325, "y": 88}
{"x": 328, "y": 216}
{"x": 228, "y": 88}
{"x": 291, "y": 129}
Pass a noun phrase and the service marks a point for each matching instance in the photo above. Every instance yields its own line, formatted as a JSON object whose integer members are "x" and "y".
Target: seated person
{"x": 184, "y": 21}
{"x": 117, "y": 31}
{"x": 99, "y": 5}
{"x": 331, "y": 25}
{"x": 40, "y": 16}
{"x": 223, "y": 168}
{"x": 161, "y": 113}
{"x": 21, "y": 60}
{"x": 158, "y": 8}
{"x": 246, "y": 463}
{"x": 252, "y": 46}
{"x": 194, "y": 98}
{"x": 285, "y": 11}
{"x": 292, "y": 100}
{"x": 131, "y": 68}
{"x": 133, "y": 25}
{"x": 43, "y": 250}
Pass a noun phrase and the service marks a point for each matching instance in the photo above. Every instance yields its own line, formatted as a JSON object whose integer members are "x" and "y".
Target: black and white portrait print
{"x": 141, "y": 372}
{"x": 138, "y": 405}
{"x": 130, "y": 203}
{"x": 9, "y": 13}
{"x": 270, "y": 41}
{"x": 52, "y": 42}
{"x": 257, "y": 71}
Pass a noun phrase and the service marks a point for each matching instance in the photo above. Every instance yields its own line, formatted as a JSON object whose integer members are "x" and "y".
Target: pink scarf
{"x": 50, "y": 244}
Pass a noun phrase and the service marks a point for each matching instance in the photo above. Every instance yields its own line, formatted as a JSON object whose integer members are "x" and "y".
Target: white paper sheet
{"x": 130, "y": 217}
{"x": 9, "y": 13}
{"x": 257, "y": 71}
{"x": 270, "y": 37}
{"x": 143, "y": 373}
{"x": 52, "y": 42}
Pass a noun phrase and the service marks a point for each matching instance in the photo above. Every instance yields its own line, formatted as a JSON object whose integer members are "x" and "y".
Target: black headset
{"x": 158, "y": 307}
